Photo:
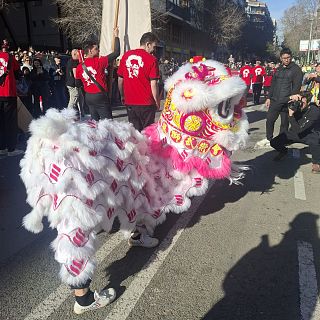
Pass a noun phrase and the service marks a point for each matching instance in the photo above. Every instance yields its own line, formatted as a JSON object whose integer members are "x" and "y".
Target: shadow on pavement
{"x": 264, "y": 283}
{"x": 261, "y": 179}
{"x": 255, "y": 116}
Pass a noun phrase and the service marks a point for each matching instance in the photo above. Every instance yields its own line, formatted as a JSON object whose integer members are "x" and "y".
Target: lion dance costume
{"x": 82, "y": 175}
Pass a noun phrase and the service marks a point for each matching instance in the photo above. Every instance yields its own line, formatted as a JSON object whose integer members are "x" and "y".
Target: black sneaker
{"x": 280, "y": 155}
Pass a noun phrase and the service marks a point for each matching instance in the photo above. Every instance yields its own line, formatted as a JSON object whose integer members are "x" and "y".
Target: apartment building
{"x": 260, "y": 28}
{"x": 182, "y": 34}
{"x": 26, "y": 22}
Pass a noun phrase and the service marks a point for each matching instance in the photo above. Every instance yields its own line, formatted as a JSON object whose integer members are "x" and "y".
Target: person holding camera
{"x": 58, "y": 84}
{"x": 304, "y": 118}
{"x": 286, "y": 81}
{"x": 39, "y": 88}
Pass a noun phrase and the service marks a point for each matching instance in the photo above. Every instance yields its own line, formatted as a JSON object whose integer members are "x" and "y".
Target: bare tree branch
{"x": 296, "y": 23}
{"x": 225, "y": 21}
{"x": 80, "y": 19}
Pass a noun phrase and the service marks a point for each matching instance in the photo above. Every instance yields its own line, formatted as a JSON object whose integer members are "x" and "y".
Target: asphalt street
{"x": 247, "y": 252}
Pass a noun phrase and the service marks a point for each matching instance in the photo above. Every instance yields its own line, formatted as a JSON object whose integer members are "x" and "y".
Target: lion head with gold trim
{"x": 202, "y": 117}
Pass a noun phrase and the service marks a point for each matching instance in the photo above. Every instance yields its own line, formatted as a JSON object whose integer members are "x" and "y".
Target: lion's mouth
{"x": 224, "y": 108}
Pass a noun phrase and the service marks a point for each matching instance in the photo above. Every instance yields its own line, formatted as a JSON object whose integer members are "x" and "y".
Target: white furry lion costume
{"x": 83, "y": 175}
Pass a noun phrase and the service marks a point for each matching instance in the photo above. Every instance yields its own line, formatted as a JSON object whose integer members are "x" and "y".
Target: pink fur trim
{"x": 167, "y": 151}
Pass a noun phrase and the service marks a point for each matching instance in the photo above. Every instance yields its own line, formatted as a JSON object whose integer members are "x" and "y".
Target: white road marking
{"x": 63, "y": 292}
{"x": 299, "y": 190}
{"x": 309, "y": 301}
{"x": 125, "y": 304}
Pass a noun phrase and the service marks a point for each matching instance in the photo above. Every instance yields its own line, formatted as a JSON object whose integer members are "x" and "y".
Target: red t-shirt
{"x": 96, "y": 66}
{"x": 268, "y": 78}
{"x": 137, "y": 68}
{"x": 257, "y": 73}
{"x": 9, "y": 88}
{"x": 245, "y": 74}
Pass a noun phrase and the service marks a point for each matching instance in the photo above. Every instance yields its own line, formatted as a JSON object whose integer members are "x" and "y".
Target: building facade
{"x": 260, "y": 28}
{"x": 181, "y": 29}
{"x": 180, "y": 26}
{"x": 26, "y": 22}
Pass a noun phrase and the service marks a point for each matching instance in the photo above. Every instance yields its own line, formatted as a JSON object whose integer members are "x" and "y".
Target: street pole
{"x": 111, "y": 69}
{"x": 310, "y": 38}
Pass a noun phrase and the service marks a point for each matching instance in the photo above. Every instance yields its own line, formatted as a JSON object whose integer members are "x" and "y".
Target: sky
{"x": 277, "y": 7}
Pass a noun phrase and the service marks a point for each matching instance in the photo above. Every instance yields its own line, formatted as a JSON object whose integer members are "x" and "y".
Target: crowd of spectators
{"x": 41, "y": 81}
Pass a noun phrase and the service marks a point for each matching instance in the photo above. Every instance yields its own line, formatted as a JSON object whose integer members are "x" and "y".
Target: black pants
{"x": 256, "y": 90}
{"x": 141, "y": 116}
{"x": 82, "y": 286}
{"x": 8, "y": 124}
{"x": 99, "y": 105}
{"x": 272, "y": 116}
{"x": 83, "y": 106}
{"x": 284, "y": 139}
{"x": 266, "y": 91}
{"x": 59, "y": 97}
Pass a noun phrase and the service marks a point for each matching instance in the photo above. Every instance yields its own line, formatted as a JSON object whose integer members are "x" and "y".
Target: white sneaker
{"x": 15, "y": 153}
{"x": 264, "y": 143}
{"x": 102, "y": 299}
{"x": 145, "y": 241}
{"x": 3, "y": 152}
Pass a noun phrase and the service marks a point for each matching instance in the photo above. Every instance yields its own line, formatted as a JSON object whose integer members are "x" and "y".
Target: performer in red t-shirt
{"x": 8, "y": 104}
{"x": 138, "y": 82}
{"x": 245, "y": 74}
{"x": 270, "y": 70}
{"x": 92, "y": 73}
{"x": 257, "y": 74}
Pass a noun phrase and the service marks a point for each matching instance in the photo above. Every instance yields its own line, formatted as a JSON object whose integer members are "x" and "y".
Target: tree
{"x": 296, "y": 23}
{"x": 225, "y": 20}
{"x": 272, "y": 50}
{"x": 80, "y": 20}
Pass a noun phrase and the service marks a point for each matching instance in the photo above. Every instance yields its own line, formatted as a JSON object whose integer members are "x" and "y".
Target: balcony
{"x": 174, "y": 7}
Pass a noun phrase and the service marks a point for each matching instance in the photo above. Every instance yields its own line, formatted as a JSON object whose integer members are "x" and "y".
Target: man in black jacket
{"x": 57, "y": 83}
{"x": 286, "y": 81}
{"x": 304, "y": 128}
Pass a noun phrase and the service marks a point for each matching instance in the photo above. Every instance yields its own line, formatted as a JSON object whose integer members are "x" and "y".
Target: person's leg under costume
{"x": 74, "y": 249}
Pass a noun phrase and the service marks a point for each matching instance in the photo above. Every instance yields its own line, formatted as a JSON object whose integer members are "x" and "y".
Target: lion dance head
{"x": 202, "y": 122}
